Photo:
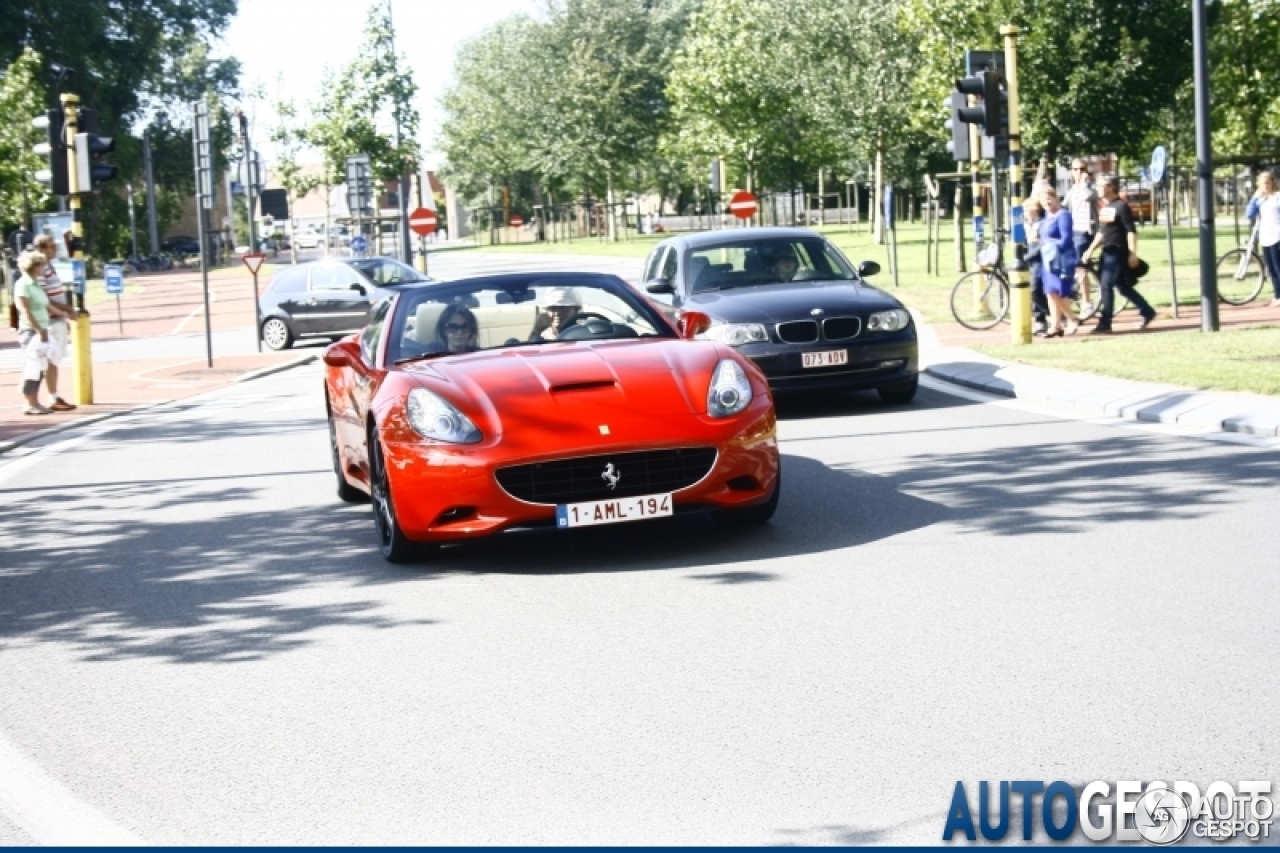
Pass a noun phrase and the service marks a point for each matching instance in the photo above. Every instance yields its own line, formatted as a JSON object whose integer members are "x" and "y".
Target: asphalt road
{"x": 199, "y": 643}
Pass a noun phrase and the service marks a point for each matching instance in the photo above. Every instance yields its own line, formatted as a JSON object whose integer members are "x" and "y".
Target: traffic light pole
{"x": 1204, "y": 173}
{"x": 82, "y": 364}
{"x": 1019, "y": 274}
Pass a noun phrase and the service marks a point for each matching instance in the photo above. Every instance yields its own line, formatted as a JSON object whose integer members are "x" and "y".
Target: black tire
{"x": 346, "y": 492}
{"x": 1087, "y": 301}
{"x": 980, "y": 300}
{"x": 899, "y": 393}
{"x": 751, "y": 516}
{"x": 394, "y": 546}
{"x": 276, "y": 334}
{"x": 1240, "y": 277}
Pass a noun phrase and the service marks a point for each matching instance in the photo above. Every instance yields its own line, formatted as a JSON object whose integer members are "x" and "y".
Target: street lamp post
{"x": 1204, "y": 173}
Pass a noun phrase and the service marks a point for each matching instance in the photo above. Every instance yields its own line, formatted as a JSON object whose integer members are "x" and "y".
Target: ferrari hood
{"x": 577, "y": 390}
{"x": 776, "y": 303}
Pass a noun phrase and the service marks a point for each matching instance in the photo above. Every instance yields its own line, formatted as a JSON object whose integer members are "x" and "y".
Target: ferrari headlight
{"x": 736, "y": 334}
{"x": 435, "y": 417}
{"x": 730, "y": 390}
{"x": 888, "y": 321}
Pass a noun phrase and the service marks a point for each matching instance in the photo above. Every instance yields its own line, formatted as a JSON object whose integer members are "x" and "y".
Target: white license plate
{"x": 826, "y": 358}
{"x": 611, "y": 512}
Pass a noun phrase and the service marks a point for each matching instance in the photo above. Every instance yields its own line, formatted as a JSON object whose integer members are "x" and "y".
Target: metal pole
{"x": 199, "y": 140}
{"x": 1019, "y": 273}
{"x": 1168, "y": 234}
{"x": 133, "y": 225}
{"x": 153, "y": 231}
{"x": 1204, "y": 173}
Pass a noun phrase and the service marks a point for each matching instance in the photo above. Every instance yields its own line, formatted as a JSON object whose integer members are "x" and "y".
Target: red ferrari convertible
{"x": 560, "y": 399}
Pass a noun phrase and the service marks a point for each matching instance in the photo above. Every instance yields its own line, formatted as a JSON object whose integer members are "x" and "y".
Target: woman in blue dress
{"x": 1058, "y": 258}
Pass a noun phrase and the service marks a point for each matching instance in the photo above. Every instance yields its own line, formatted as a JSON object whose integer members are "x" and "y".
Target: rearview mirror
{"x": 659, "y": 285}
{"x": 692, "y": 323}
{"x": 359, "y": 288}
{"x": 338, "y": 355}
{"x": 867, "y": 269}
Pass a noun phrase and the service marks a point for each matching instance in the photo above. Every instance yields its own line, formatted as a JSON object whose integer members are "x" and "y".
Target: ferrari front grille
{"x": 608, "y": 475}
{"x": 798, "y": 332}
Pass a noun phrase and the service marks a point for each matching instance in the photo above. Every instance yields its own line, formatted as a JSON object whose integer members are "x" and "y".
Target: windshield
{"x": 776, "y": 260}
{"x": 382, "y": 271}
{"x": 511, "y": 311}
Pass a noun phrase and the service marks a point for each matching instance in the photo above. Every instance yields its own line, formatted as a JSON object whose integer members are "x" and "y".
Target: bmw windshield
{"x": 777, "y": 260}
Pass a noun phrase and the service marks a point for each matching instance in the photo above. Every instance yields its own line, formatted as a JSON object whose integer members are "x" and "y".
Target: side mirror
{"x": 338, "y": 355}
{"x": 691, "y": 324}
{"x": 359, "y": 288}
{"x": 866, "y": 269}
{"x": 659, "y": 285}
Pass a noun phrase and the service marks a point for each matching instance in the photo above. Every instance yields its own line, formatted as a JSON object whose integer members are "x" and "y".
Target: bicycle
{"x": 1241, "y": 273}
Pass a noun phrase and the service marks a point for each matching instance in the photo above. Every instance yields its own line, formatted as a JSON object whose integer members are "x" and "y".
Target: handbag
{"x": 13, "y": 316}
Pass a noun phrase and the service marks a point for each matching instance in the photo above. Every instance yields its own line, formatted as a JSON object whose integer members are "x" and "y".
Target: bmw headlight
{"x": 435, "y": 417}
{"x": 730, "y": 390}
{"x": 888, "y": 321}
{"x": 736, "y": 334}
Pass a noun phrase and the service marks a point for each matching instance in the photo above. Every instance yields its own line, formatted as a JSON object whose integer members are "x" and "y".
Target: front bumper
{"x": 872, "y": 363}
{"x": 449, "y": 492}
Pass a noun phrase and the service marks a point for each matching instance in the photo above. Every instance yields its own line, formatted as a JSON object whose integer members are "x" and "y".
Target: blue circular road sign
{"x": 358, "y": 243}
{"x": 1159, "y": 158}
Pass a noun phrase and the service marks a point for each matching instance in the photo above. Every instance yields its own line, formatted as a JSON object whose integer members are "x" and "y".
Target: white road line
{"x": 48, "y": 811}
{"x": 182, "y": 324}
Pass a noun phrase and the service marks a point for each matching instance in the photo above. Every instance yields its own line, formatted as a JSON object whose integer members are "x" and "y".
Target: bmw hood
{"x": 776, "y": 303}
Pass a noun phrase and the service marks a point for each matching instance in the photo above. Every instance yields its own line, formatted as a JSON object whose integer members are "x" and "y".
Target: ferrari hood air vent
{"x": 583, "y": 386}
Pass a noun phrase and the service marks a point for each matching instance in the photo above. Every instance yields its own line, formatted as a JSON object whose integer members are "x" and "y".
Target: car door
{"x": 339, "y": 300}
{"x": 287, "y": 294}
{"x": 366, "y": 376}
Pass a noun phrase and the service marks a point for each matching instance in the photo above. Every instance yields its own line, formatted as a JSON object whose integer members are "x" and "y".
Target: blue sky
{"x": 294, "y": 40}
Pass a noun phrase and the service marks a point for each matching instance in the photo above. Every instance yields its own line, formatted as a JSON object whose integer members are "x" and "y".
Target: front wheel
{"x": 899, "y": 393}
{"x": 392, "y": 543}
{"x": 751, "y": 516}
{"x": 276, "y": 334}
{"x": 980, "y": 300}
{"x": 1240, "y": 277}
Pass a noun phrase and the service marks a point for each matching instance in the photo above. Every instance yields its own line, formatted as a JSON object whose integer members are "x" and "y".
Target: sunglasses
{"x": 454, "y": 327}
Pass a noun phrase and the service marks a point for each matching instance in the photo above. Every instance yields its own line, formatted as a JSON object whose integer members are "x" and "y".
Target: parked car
{"x": 327, "y": 299}
{"x": 791, "y": 302}
{"x": 181, "y": 245}
{"x": 613, "y": 419}
{"x": 309, "y": 239}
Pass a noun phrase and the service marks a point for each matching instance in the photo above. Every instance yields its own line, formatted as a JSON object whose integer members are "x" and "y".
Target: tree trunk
{"x": 878, "y": 199}
{"x": 610, "y": 224}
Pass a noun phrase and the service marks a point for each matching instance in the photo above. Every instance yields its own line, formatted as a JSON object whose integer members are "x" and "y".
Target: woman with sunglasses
{"x": 458, "y": 330}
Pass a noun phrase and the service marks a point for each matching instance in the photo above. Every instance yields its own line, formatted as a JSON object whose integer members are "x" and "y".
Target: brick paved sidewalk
{"x": 164, "y": 315}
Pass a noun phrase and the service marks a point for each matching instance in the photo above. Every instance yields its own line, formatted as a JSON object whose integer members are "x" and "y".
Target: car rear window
{"x": 289, "y": 281}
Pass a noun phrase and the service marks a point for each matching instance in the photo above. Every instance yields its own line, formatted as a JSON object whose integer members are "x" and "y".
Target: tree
{"x": 22, "y": 98}
{"x": 1244, "y": 46}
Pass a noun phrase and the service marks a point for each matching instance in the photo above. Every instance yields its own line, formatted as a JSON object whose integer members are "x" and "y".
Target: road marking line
{"x": 48, "y": 811}
{"x": 213, "y": 297}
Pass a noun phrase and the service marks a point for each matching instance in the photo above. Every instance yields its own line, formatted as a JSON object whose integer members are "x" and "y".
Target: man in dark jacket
{"x": 1118, "y": 240}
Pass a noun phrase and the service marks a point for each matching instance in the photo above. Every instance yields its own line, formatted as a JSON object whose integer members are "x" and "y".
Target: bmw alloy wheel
{"x": 276, "y": 334}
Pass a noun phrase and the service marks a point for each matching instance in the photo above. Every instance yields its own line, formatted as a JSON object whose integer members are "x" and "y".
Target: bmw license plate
{"x": 826, "y": 358}
{"x": 610, "y": 512}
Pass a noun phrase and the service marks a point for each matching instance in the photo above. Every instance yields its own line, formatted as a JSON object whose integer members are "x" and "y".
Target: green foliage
{"x": 1245, "y": 65}
{"x": 22, "y": 98}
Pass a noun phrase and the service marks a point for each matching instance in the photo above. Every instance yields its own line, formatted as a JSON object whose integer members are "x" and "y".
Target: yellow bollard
{"x": 82, "y": 363}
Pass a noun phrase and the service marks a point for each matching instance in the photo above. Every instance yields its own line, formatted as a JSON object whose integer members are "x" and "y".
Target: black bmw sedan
{"x": 327, "y": 299}
{"x": 791, "y": 302}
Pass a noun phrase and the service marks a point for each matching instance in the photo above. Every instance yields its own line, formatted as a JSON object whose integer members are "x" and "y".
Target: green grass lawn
{"x": 1234, "y": 360}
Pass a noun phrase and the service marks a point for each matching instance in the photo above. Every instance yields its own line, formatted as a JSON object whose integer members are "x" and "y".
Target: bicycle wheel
{"x": 1240, "y": 277}
{"x": 1087, "y": 300}
{"x": 980, "y": 300}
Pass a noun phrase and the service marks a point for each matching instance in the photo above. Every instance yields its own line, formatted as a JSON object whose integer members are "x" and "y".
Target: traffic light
{"x": 90, "y": 148}
{"x": 985, "y": 85}
{"x": 54, "y": 150}
{"x": 959, "y": 145}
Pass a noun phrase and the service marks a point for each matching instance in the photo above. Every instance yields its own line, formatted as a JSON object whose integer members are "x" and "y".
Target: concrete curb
{"x": 1220, "y": 411}
{"x": 6, "y": 446}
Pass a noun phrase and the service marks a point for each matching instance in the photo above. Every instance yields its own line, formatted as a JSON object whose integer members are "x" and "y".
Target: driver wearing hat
{"x": 558, "y": 313}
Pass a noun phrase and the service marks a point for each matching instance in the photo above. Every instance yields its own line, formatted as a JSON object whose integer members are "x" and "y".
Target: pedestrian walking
{"x": 1033, "y": 218}
{"x": 1058, "y": 260}
{"x": 1117, "y": 239}
{"x": 59, "y": 325}
{"x": 1265, "y": 204}
{"x": 34, "y": 315}
{"x": 1081, "y": 201}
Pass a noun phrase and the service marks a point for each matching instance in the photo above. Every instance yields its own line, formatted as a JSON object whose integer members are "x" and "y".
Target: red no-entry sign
{"x": 517, "y": 221}
{"x": 423, "y": 221}
{"x": 743, "y": 205}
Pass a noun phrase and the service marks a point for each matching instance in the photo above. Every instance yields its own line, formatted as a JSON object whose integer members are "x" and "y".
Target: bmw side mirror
{"x": 659, "y": 285}
{"x": 866, "y": 269}
{"x": 359, "y": 288}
